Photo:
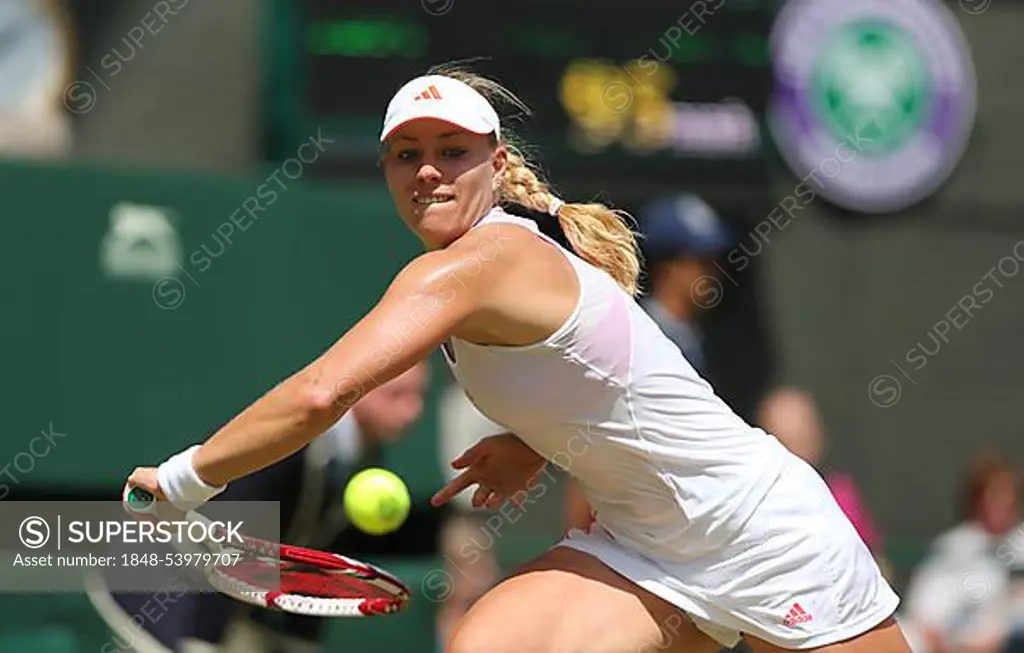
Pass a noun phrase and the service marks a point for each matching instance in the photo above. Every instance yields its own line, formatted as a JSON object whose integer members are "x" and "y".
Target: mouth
{"x": 433, "y": 198}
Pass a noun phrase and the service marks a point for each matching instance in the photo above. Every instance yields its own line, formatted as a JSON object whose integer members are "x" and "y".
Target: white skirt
{"x": 797, "y": 574}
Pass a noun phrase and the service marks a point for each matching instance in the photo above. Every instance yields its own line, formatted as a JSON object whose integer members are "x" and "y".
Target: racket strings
{"x": 306, "y": 605}
{"x": 251, "y": 544}
{"x": 329, "y": 584}
{"x": 311, "y": 583}
{"x": 312, "y": 576}
{"x": 298, "y": 580}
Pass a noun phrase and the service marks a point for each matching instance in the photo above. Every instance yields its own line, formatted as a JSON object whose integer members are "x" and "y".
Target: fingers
{"x": 494, "y": 501}
{"x": 146, "y": 478}
{"x": 469, "y": 456}
{"x": 497, "y": 498}
{"x": 453, "y": 488}
{"x": 482, "y": 495}
{"x": 477, "y": 451}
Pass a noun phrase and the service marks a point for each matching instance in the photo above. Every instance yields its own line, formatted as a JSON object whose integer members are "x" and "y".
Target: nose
{"x": 428, "y": 174}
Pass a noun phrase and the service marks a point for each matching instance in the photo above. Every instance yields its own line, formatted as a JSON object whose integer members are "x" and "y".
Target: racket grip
{"x": 140, "y": 501}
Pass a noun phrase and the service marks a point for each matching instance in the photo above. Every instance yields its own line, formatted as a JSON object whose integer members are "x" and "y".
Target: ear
{"x": 499, "y": 160}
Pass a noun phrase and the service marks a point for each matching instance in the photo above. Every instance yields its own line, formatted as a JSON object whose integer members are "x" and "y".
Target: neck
{"x": 676, "y": 304}
{"x": 992, "y": 529}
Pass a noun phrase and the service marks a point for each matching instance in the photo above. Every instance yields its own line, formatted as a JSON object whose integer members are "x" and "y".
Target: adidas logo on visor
{"x": 430, "y": 94}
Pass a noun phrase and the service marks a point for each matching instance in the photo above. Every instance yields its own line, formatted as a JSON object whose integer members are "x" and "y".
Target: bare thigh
{"x": 567, "y": 601}
{"x": 886, "y": 637}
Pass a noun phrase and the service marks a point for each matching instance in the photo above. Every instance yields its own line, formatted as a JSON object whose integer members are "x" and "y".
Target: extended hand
{"x": 502, "y": 466}
{"x": 146, "y": 478}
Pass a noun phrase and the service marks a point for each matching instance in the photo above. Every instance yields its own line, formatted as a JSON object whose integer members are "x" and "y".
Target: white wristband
{"x": 181, "y": 484}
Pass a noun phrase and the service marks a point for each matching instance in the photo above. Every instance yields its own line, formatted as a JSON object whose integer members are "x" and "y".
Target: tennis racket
{"x": 283, "y": 577}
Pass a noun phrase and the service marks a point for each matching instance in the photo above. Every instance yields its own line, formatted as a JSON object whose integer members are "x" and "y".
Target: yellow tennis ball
{"x": 377, "y": 501}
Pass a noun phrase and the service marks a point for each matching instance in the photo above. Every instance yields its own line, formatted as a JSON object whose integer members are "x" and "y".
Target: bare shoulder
{"x": 501, "y": 283}
{"x": 525, "y": 285}
{"x": 426, "y": 270}
{"x": 505, "y": 252}
{"x": 497, "y": 241}
{"x": 475, "y": 263}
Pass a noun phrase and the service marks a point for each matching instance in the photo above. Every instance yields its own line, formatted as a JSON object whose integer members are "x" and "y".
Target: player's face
{"x": 442, "y": 178}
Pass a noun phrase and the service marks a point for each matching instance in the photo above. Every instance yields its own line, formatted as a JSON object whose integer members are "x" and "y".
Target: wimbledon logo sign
{"x": 893, "y": 80}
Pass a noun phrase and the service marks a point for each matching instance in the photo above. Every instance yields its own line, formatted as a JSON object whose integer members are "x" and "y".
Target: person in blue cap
{"x": 682, "y": 237}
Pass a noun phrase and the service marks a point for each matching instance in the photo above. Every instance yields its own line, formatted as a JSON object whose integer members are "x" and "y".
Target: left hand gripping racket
{"x": 283, "y": 577}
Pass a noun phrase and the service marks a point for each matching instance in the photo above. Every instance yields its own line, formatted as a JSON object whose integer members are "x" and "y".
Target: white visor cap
{"x": 441, "y": 98}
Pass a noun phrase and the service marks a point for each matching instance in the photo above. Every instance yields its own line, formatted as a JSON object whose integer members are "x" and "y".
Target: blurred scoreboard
{"x": 646, "y": 93}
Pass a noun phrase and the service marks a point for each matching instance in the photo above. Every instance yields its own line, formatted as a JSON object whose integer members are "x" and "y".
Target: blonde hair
{"x": 597, "y": 233}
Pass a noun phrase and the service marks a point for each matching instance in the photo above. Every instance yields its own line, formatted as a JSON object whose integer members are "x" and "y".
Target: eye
{"x": 408, "y": 154}
{"x": 453, "y": 152}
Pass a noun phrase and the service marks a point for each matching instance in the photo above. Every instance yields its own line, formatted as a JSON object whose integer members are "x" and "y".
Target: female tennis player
{"x": 707, "y": 529}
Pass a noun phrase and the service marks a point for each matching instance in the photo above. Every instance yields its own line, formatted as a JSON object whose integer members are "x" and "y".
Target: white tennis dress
{"x": 693, "y": 504}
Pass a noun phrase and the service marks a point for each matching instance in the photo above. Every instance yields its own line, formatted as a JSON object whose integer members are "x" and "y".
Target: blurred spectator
{"x": 959, "y": 599}
{"x": 1013, "y": 554}
{"x": 460, "y": 426}
{"x": 35, "y": 68}
{"x": 310, "y": 486}
{"x": 472, "y": 568}
{"x": 682, "y": 236}
{"x": 792, "y": 416}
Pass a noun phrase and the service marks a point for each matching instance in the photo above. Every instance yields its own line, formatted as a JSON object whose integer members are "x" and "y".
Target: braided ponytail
{"x": 598, "y": 234}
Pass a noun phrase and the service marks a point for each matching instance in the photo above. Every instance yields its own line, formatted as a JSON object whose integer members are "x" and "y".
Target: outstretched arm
{"x": 420, "y": 310}
{"x": 428, "y": 301}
